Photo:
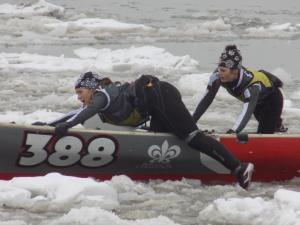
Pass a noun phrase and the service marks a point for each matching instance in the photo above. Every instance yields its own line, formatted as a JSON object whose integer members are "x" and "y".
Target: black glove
{"x": 230, "y": 131}
{"x": 61, "y": 129}
{"x": 39, "y": 123}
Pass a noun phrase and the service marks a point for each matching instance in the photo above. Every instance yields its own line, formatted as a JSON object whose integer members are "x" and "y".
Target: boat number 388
{"x": 67, "y": 151}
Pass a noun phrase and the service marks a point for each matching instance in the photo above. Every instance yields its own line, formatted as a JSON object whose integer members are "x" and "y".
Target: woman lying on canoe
{"x": 259, "y": 90}
{"x": 132, "y": 104}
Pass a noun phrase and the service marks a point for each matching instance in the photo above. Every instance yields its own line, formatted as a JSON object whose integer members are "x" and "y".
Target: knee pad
{"x": 192, "y": 135}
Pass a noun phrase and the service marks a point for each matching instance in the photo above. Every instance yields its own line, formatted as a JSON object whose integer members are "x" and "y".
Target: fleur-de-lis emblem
{"x": 164, "y": 153}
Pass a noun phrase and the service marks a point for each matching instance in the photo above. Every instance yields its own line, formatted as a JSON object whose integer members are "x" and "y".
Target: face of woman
{"x": 227, "y": 75}
{"x": 84, "y": 95}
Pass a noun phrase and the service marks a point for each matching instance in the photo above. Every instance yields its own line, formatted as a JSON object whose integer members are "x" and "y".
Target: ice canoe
{"x": 27, "y": 150}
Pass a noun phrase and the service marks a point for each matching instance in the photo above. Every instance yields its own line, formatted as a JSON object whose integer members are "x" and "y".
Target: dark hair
{"x": 105, "y": 81}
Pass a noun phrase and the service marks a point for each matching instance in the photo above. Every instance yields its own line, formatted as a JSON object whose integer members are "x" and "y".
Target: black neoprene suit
{"x": 169, "y": 114}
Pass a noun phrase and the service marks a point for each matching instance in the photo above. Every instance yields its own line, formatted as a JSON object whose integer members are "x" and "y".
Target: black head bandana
{"x": 231, "y": 58}
{"x": 88, "y": 80}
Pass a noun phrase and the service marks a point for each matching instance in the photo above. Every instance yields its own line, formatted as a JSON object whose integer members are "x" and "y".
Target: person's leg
{"x": 214, "y": 149}
{"x": 258, "y": 116}
{"x": 269, "y": 112}
{"x": 156, "y": 125}
{"x": 279, "y": 124}
{"x": 169, "y": 114}
{"x": 175, "y": 116}
{"x": 167, "y": 108}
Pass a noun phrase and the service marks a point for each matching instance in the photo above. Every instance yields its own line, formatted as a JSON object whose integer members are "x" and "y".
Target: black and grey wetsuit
{"x": 131, "y": 104}
{"x": 114, "y": 103}
{"x": 252, "y": 87}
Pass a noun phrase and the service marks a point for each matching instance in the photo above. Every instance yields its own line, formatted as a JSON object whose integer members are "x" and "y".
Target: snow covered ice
{"x": 45, "y": 45}
{"x": 58, "y": 199}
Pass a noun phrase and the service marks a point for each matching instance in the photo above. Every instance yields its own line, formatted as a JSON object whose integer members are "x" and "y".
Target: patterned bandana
{"x": 88, "y": 80}
{"x": 231, "y": 58}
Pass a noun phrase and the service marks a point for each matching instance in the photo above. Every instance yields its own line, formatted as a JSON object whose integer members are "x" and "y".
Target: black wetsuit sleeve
{"x": 97, "y": 104}
{"x": 251, "y": 95}
{"x": 206, "y": 100}
{"x": 64, "y": 118}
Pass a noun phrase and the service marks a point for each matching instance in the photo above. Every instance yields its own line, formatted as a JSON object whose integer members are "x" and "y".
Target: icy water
{"x": 45, "y": 45}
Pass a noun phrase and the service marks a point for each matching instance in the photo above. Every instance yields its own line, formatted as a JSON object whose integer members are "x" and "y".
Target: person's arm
{"x": 251, "y": 95}
{"x": 61, "y": 119}
{"x": 98, "y": 102}
{"x": 65, "y": 117}
{"x": 211, "y": 91}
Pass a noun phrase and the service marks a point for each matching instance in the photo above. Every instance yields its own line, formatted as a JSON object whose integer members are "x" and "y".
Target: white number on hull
{"x": 37, "y": 153}
{"x": 100, "y": 152}
{"x": 67, "y": 151}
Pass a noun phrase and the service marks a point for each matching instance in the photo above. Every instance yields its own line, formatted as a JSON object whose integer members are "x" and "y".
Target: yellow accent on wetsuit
{"x": 259, "y": 77}
{"x": 134, "y": 119}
